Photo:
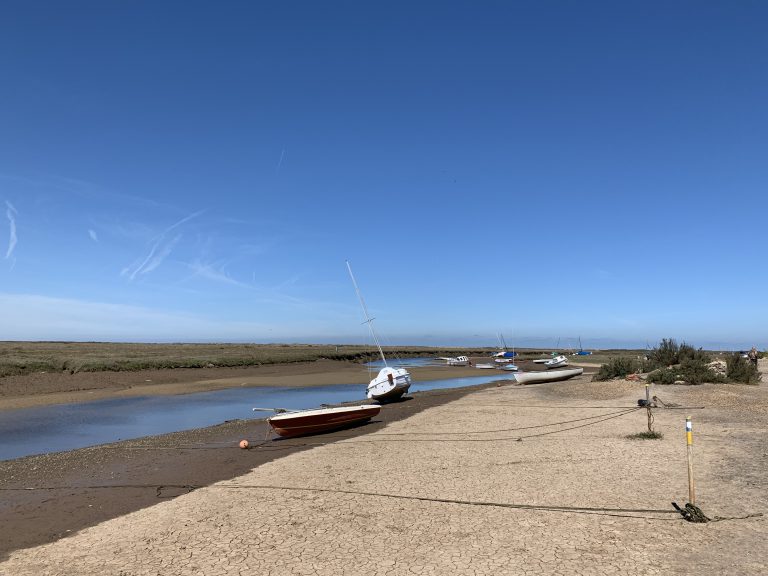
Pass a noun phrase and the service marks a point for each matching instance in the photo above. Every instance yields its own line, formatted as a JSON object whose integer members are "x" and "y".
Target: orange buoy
{"x": 243, "y": 444}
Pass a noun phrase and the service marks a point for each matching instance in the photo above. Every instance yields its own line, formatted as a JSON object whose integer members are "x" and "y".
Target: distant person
{"x": 753, "y": 356}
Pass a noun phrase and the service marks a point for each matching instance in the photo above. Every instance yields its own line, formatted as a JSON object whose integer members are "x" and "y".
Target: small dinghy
{"x": 458, "y": 361}
{"x": 303, "y": 422}
{"x": 556, "y": 362}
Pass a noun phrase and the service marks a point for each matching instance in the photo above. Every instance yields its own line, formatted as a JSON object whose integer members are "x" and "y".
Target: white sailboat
{"x": 556, "y": 362}
{"x": 390, "y": 383}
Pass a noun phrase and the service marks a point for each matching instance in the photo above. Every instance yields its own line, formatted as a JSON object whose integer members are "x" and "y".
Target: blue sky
{"x": 200, "y": 171}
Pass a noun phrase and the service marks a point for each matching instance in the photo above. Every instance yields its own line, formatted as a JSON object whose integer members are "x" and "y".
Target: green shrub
{"x": 618, "y": 367}
{"x": 740, "y": 369}
{"x": 670, "y": 353}
{"x": 690, "y": 371}
{"x": 663, "y": 376}
{"x": 665, "y": 354}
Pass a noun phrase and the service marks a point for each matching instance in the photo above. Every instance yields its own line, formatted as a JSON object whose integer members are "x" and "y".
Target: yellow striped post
{"x": 689, "y": 442}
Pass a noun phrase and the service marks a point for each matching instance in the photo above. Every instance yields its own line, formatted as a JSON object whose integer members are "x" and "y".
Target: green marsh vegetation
{"x": 18, "y": 358}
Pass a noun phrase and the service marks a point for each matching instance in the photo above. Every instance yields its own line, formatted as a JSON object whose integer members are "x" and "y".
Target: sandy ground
{"x": 507, "y": 480}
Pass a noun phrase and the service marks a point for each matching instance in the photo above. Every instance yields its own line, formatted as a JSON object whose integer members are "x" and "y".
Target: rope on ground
{"x": 514, "y": 438}
{"x": 159, "y": 488}
{"x": 356, "y": 440}
{"x": 604, "y": 511}
{"x": 693, "y": 513}
{"x": 624, "y": 411}
{"x": 663, "y": 404}
{"x": 618, "y": 512}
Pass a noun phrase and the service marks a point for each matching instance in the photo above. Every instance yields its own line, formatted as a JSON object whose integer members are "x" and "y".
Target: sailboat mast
{"x": 368, "y": 319}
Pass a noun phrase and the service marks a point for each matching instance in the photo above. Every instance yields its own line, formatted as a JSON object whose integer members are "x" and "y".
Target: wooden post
{"x": 648, "y": 406}
{"x": 689, "y": 442}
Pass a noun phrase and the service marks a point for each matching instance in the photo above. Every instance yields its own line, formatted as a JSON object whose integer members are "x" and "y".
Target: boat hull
{"x": 547, "y": 376}
{"x": 389, "y": 384}
{"x": 322, "y": 420}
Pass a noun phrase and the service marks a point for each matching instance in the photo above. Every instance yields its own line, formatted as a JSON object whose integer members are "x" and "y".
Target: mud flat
{"x": 61, "y": 388}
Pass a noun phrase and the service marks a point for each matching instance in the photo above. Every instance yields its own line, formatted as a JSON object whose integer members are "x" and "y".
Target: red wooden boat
{"x": 301, "y": 423}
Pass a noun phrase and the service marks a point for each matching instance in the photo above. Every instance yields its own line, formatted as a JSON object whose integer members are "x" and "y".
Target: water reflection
{"x": 69, "y": 426}
{"x": 407, "y": 362}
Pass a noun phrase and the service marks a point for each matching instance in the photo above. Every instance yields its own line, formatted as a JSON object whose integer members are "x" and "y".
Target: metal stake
{"x": 689, "y": 442}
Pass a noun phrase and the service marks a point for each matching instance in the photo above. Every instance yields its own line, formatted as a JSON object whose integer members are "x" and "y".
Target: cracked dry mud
{"x": 405, "y": 499}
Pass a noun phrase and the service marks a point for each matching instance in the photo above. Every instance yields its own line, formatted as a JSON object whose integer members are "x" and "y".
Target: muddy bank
{"x": 77, "y": 489}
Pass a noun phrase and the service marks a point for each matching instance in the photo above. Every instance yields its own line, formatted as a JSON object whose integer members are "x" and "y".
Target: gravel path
{"x": 509, "y": 480}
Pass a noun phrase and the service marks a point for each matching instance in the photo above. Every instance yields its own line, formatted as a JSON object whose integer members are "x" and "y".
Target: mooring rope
{"x": 624, "y": 411}
{"x": 690, "y": 513}
{"x": 355, "y": 440}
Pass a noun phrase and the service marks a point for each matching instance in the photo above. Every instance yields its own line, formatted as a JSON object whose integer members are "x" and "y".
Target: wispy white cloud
{"x": 34, "y": 317}
{"x": 156, "y": 257}
{"x": 92, "y": 234}
{"x": 211, "y": 272}
{"x": 604, "y": 274}
{"x": 11, "y": 212}
{"x": 159, "y": 251}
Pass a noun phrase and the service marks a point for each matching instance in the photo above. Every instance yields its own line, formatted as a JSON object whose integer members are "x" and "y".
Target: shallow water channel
{"x": 68, "y": 426}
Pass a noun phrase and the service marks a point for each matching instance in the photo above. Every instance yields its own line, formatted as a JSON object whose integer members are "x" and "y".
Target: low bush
{"x": 665, "y": 354}
{"x": 690, "y": 371}
{"x": 740, "y": 369}
{"x": 618, "y": 367}
{"x": 670, "y": 353}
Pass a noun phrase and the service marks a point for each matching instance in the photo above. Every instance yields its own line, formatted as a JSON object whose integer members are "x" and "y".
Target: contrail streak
{"x": 153, "y": 260}
{"x": 11, "y": 212}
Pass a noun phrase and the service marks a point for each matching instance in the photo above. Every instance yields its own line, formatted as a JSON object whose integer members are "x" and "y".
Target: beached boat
{"x": 458, "y": 361}
{"x": 541, "y": 360}
{"x": 556, "y": 362}
{"x": 303, "y": 422}
{"x": 485, "y": 366}
{"x": 546, "y": 375}
{"x": 390, "y": 383}
{"x": 508, "y": 367}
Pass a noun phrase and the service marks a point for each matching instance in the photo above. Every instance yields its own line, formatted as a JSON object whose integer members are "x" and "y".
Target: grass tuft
{"x": 646, "y": 436}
